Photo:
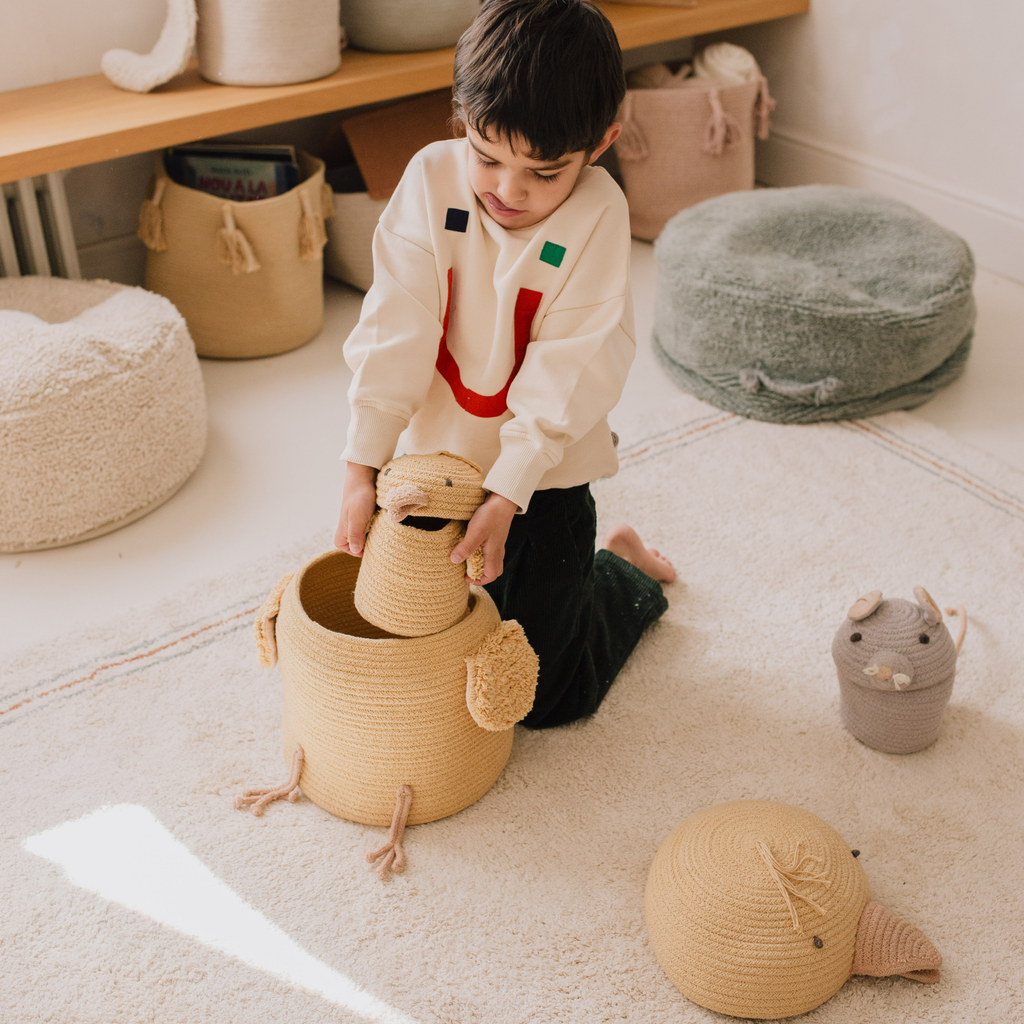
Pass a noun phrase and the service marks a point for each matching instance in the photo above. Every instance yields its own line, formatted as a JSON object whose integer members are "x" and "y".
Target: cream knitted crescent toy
{"x": 896, "y": 662}
{"x": 400, "y": 688}
{"x": 138, "y": 72}
{"x": 759, "y": 909}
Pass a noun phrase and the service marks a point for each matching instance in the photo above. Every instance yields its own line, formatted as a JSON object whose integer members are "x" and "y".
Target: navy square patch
{"x": 456, "y": 219}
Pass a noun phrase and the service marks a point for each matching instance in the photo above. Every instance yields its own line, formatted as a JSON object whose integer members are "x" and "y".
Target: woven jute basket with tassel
{"x": 373, "y": 711}
{"x": 679, "y": 147}
{"x": 247, "y": 277}
{"x": 760, "y": 909}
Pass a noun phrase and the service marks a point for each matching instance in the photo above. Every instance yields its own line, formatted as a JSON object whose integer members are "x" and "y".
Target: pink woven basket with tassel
{"x": 247, "y": 277}
{"x": 680, "y": 146}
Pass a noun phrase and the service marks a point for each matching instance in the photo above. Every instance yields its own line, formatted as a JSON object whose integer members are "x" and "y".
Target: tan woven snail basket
{"x": 720, "y": 921}
{"x": 373, "y": 711}
{"x": 760, "y": 909}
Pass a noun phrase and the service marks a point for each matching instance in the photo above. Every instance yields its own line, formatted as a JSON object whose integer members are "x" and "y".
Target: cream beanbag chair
{"x": 102, "y": 408}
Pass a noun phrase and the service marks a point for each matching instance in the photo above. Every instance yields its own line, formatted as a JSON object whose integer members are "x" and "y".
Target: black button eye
{"x": 817, "y": 942}
{"x": 856, "y": 853}
{"x": 855, "y": 638}
{"x": 924, "y": 638}
{"x": 447, "y": 482}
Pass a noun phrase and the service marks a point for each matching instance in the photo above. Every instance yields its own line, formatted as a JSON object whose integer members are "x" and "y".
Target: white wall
{"x": 50, "y": 40}
{"x": 921, "y": 99}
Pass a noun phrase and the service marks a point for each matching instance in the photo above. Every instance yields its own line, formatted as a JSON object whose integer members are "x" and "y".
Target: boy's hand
{"x": 488, "y": 529}
{"x": 357, "y": 507}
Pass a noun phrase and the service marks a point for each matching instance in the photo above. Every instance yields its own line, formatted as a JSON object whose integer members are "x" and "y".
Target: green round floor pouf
{"x": 811, "y": 303}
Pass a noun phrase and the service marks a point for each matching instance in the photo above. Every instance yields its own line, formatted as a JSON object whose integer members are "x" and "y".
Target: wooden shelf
{"x": 85, "y": 120}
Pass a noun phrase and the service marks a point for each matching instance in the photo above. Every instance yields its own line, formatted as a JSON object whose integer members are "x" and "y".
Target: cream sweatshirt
{"x": 505, "y": 347}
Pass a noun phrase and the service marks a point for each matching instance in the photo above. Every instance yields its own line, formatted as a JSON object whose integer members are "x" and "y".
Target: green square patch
{"x": 552, "y": 254}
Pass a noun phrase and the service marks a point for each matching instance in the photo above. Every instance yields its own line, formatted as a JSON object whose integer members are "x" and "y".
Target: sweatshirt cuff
{"x": 372, "y": 436}
{"x": 518, "y": 470}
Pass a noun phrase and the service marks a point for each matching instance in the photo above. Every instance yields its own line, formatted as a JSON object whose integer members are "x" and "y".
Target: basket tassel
{"x": 257, "y": 799}
{"x": 327, "y": 201}
{"x": 631, "y": 144}
{"x": 763, "y": 108}
{"x": 233, "y": 247}
{"x": 151, "y": 219}
{"x": 391, "y": 851}
{"x": 788, "y": 879}
{"x": 722, "y": 129}
{"x": 312, "y": 237}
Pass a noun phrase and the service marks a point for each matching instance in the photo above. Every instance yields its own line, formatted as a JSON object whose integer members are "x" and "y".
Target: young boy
{"x": 500, "y": 327}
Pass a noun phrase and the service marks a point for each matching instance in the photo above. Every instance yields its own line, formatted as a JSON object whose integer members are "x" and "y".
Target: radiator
{"x": 35, "y": 229}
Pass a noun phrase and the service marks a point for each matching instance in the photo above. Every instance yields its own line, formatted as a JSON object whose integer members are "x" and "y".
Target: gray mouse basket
{"x": 896, "y": 664}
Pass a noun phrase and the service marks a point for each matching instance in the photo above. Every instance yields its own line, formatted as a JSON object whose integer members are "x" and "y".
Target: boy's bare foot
{"x": 624, "y": 541}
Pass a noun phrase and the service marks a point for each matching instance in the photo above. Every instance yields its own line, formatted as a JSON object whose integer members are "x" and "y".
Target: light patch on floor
{"x": 124, "y": 854}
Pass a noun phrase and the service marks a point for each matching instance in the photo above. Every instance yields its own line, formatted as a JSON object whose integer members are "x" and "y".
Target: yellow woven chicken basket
{"x": 373, "y": 711}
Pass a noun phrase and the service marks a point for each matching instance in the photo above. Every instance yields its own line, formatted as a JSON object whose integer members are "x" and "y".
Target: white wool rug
{"x": 132, "y": 890}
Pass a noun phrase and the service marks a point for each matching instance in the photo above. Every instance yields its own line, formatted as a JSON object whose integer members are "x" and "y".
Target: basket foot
{"x": 258, "y": 799}
{"x": 391, "y": 851}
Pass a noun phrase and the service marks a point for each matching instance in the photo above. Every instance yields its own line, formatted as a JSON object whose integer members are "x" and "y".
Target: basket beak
{"x": 887, "y": 946}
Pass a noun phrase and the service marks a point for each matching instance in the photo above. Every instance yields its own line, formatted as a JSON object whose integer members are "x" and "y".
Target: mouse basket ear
{"x": 932, "y": 612}
{"x": 864, "y": 606}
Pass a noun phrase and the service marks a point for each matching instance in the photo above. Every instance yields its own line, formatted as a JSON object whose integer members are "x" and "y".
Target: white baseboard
{"x": 993, "y": 230}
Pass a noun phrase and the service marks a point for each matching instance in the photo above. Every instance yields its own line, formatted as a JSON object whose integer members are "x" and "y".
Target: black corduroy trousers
{"x": 582, "y": 613}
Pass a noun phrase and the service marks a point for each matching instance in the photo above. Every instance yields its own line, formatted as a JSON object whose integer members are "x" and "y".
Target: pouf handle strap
{"x": 312, "y": 236}
{"x": 631, "y": 143}
{"x": 265, "y": 627}
{"x": 722, "y": 129}
{"x": 151, "y": 219}
{"x": 753, "y": 378}
{"x": 763, "y": 108}
{"x": 233, "y": 248}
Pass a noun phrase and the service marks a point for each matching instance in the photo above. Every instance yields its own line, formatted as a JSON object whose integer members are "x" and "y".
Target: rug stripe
{"x": 153, "y": 641}
{"x": 680, "y": 437}
{"x": 133, "y": 660}
{"x": 950, "y": 462}
{"x": 58, "y": 697}
{"x": 939, "y": 467}
{"x": 627, "y": 451}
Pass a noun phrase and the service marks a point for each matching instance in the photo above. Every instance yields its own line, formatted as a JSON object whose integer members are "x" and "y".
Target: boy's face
{"x": 516, "y": 190}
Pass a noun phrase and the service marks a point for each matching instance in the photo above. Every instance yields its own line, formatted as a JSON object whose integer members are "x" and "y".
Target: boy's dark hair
{"x": 547, "y": 70}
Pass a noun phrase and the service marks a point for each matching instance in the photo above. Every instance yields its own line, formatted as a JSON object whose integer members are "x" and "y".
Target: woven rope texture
{"x": 373, "y": 711}
{"x": 407, "y": 583}
{"x": 895, "y": 678}
{"x": 453, "y": 485}
{"x": 720, "y": 911}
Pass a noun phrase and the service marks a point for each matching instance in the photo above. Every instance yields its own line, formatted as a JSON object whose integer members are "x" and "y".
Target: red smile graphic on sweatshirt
{"x": 527, "y": 303}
